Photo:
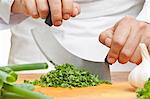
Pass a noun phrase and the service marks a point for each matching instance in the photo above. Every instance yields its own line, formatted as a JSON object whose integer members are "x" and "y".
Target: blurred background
{"x": 5, "y": 44}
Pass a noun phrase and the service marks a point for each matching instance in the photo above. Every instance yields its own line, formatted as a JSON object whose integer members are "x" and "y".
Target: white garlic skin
{"x": 140, "y": 74}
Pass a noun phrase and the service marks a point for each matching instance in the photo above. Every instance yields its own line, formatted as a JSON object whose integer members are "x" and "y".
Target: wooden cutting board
{"x": 114, "y": 91}
{"x": 120, "y": 89}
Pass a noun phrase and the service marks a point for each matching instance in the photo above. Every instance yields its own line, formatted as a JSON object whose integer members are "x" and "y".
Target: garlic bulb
{"x": 141, "y": 73}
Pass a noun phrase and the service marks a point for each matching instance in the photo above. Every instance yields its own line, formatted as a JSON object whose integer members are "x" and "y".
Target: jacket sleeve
{"x": 5, "y": 9}
{"x": 144, "y": 15}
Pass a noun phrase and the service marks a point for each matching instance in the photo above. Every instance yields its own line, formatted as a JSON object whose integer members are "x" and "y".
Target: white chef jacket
{"x": 80, "y": 34}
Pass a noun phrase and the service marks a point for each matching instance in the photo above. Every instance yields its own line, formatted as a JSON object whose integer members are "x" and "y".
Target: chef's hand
{"x": 123, "y": 40}
{"x": 60, "y": 9}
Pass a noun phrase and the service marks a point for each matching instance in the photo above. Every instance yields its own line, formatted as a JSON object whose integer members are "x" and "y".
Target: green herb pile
{"x": 144, "y": 93}
{"x": 10, "y": 90}
{"x": 67, "y": 75}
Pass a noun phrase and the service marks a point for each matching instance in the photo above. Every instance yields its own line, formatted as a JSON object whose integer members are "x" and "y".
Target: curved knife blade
{"x": 57, "y": 54}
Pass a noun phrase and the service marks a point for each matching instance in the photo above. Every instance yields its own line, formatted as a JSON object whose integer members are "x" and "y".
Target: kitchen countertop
{"x": 120, "y": 89}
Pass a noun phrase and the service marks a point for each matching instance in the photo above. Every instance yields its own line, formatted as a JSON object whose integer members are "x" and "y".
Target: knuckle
{"x": 124, "y": 57}
{"x": 43, "y": 13}
{"x": 33, "y": 12}
{"x": 125, "y": 54}
{"x": 102, "y": 33}
{"x": 122, "y": 23}
{"x": 57, "y": 14}
{"x": 44, "y": 10}
{"x": 67, "y": 10}
{"x": 113, "y": 54}
{"x": 118, "y": 43}
{"x": 57, "y": 17}
{"x": 127, "y": 20}
{"x": 100, "y": 38}
{"x": 142, "y": 25}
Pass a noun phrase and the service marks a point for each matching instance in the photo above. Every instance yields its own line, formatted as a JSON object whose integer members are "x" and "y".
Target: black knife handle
{"x": 48, "y": 20}
{"x": 107, "y": 61}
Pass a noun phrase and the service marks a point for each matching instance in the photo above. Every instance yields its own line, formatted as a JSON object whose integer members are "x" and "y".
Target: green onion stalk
{"x": 10, "y": 90}
{"x": 24, "y": 92}
{"x": 23, "y": 67}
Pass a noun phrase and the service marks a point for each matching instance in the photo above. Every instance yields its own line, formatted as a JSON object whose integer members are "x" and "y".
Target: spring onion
{"x": 10, "y": 90}
{"x": 24, "y": 67}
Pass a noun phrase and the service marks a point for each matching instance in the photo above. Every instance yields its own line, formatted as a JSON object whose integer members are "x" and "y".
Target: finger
{"x": 145, "y": 38}
{"x": 76, "y": 10}
{"x": 106, "y": 37}
{"x": 17, "y": 6}
{"x": 32, "y": 8}
{"x": 24, "y": 8}
{"x": 43, "y": 8}
{"x": 119, "y": 38}
{"x": 108, "y": 42}
{"x": 56, "y": 11}
{"x": 130, "y": 46}
{"x": 136, "y": 57}
{"x": 67, "y": 8}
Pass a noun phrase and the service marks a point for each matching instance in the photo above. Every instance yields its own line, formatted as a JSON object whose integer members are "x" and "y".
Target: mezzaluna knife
{"x": 56, "y": 54}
